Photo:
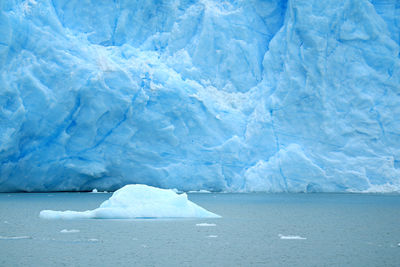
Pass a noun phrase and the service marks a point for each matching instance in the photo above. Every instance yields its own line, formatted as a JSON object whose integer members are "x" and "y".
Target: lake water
{"x": 256, "y": 230}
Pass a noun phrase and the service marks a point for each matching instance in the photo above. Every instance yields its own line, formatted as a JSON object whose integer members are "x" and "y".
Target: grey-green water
{"x": 340, "y": 230}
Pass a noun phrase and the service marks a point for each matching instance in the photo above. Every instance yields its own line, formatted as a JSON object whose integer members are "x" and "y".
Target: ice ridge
{"x": 241, "y": 96}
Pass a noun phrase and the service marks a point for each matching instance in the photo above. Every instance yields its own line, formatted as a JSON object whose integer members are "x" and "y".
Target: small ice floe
{"x": 6, "y": 222}
{"x": 398, "y": 244}
{"x": 72, "y": 231}
{"x": 90, "y": 240}
{"x": 200, "y": 192}
{"x": 97, "y": 191}
{"x": 291, "y": 237}
{"x": 212, "y": 236}
{"x": 15, "y": 237}
{"x": 205, "y": 224}
{"x": 138, "y": 202}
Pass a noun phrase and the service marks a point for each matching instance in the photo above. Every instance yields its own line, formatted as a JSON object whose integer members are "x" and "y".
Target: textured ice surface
{"x": 138, "y": 201}
{"x": 297, "y": 96}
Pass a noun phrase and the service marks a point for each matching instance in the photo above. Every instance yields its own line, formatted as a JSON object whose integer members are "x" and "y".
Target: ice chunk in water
{"x": 138, "y": 201}
{"x": 72, "y": 231}
{"x": 291, "y": 237}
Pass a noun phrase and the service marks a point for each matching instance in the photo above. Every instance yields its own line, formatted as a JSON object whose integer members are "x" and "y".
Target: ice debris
{"x": 291, "y": 237}
{"x": 205, "y": 224}
{"x": 72, "y": 231}
{"x": 95, "y": 191}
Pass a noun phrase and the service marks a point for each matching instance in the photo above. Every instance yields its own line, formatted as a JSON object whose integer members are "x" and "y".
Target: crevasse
{"x": 275, "y": 96}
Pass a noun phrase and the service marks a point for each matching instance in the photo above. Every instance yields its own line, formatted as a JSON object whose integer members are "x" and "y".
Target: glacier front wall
{"x": 276, "y": 96}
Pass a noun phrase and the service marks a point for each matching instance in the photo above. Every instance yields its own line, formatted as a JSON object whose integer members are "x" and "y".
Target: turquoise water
{"x": 337, "y": 230}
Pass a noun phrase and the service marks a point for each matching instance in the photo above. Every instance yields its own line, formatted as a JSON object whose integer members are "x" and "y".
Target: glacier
{"x": 235, "y": 96}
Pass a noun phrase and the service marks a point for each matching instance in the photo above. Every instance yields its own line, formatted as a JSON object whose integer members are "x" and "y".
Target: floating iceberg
{"x": 138, "y": 201}
{"x": 72, "y": 231}
{"x": 291, "y": 237}
{"x": 206, "y": 224}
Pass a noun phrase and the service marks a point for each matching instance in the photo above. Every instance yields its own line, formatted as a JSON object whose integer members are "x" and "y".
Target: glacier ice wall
{"x": 257, "y": 95}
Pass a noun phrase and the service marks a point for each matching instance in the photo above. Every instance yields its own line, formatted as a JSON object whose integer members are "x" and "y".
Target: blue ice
{"x": 241, "y": 96}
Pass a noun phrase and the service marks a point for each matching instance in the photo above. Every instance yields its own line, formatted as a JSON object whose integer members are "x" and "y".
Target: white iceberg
{"x": 138, "y": 201}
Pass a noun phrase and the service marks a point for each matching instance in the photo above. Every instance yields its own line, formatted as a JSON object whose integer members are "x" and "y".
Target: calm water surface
{"x": 339, "y": 230}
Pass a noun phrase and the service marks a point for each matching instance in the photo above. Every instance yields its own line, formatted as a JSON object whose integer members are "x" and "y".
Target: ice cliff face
{"x": 295, "y": 95}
